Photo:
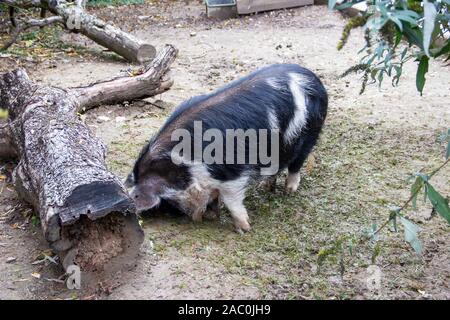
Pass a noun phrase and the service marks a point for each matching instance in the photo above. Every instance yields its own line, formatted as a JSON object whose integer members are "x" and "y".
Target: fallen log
{"x": 76, "y": 19}
{"x": 86, "y": 213}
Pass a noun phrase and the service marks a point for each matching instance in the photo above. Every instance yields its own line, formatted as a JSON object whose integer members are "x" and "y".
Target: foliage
{"x": 423, "y": 25}
{"x": 421, "y": 184}
{"x": 336, "y": 250}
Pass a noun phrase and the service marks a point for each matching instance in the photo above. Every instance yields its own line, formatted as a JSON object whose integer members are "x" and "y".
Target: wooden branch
{"x": 153, "y": 80}
{"x": 76, "y": 19}
{"x": 86, "y": 213}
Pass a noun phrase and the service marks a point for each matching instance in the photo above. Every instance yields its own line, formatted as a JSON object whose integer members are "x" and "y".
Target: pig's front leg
{"x": 234, "y": 201}
{"x": 197, "y": 199}
{"x": 292, "y": 181}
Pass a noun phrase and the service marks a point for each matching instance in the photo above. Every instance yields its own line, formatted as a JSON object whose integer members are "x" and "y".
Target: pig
{"x": 283, "y": 105}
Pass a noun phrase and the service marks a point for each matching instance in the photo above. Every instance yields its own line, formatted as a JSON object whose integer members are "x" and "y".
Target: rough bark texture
{"x": 151, "y": 80}
{"x": 86, "y": 213}
{"x": 61, "y": 170}
{"x": 122, "y": 43}
{"x": 77, "y": 20}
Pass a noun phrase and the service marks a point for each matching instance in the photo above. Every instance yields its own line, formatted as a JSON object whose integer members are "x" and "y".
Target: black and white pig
{"x": 286, "y": 101}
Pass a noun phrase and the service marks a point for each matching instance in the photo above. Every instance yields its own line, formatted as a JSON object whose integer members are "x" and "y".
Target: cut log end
{"x": 104, "y": 244}
{"x": 102, "y": 248}
{"x": 95, "y": 200}
{"x": 98, "y": 229}
{"x": 145, "y": 53}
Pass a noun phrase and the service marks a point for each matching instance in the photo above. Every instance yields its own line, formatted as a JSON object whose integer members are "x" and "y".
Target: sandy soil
{"x": 370, "y": 146}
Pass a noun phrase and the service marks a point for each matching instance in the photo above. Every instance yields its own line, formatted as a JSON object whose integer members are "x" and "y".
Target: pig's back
{"x": 246, "y": 102}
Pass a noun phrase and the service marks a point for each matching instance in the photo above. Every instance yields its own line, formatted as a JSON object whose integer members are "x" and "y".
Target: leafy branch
{"x": 439, "y": 203}
{"x": 422, "y": 24}
{"x": 411, "y": 230}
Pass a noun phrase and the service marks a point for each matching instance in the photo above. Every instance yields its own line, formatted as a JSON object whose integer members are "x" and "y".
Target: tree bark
{"x": 148, "y": 81}
{"x": 76, "y": 19}
{"x": 86, "y": 213}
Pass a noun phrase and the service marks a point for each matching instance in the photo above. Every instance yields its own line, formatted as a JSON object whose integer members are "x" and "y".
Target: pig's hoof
{"x": 292, "y": 182}
{"x": 291, "y": 188}
{"x": 196, "y": 217}
{"x": 242, "y": 227}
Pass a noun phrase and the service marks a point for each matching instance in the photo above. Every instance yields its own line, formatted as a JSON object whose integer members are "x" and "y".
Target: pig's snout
{"x": 144, "y": 201}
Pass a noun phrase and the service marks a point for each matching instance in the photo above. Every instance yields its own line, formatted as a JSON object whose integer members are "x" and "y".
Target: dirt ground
{"x": 370, "y": 146}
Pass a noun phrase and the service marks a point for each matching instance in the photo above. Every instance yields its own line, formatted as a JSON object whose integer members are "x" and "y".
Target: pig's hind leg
{"x": 303, "y": 148}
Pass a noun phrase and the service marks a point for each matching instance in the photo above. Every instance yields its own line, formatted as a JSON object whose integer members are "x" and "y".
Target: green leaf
{"x": 411, "y": 234}
{"x": 350, "y": 247}
{"x": 398, "y": 37}
{"x": 331, "y": 4}
{"x": 414, "y": 35}
{"x": 429, "y": 15}
{"x": 415, "y": 188}
{"x": 394, "y": 213}
{"x": 376, "y": 252}
{"x": 440, "y": 51}
{"x": 439, "y": 202}
{"x": 373, "y": 235}
{"x": 394, "y": 224}
{"x": 397, "y": 22}
{"x": 447, "y": 155}
{"x": 421, "y": 71}
{"x": 409, "y": 13}
{"x": 376, "y": 23}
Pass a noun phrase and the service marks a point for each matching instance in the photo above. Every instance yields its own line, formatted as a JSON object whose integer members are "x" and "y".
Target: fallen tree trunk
{"x": 76, "y": 19}
{"x": 85, "y": 211}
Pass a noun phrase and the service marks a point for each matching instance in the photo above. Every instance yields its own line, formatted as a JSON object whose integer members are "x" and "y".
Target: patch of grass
{"x": 121, "y": 155}
{"x": 358, "y": 173}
